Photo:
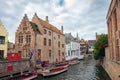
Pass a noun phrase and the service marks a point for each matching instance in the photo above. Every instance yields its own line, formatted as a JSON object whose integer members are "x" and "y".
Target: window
{"x": 49, "y": 53}
{"x": 115, "y": 20}
{"x": 58, "y": 44}
{"x": 58, "y": 52}
{"x": 20, "y": 39}
{"x": 62, "y": 53}
{"x": 45, "y": 31}
{"x": 19, "y": 51}
{"x": 49, "y": 42}
{"x": 62, "y": 45}
{"x": 24, "y": 28}
{"x": 49, "y": 32}
{"x": 45, "y": 42}
{"x": 2, "y": 40}
{"x": 59, "y": 36}
{"x": 28, "y": 38}
{"x": 1, "y": 54}
{"x": 68, "y": 52}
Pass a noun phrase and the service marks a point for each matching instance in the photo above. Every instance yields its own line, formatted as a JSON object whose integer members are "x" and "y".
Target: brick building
{"x": 112, "y": 61}
{"x": 46, "y": 39}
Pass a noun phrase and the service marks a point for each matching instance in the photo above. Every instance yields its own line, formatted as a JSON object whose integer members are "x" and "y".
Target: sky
{"x": 85, "y": 17}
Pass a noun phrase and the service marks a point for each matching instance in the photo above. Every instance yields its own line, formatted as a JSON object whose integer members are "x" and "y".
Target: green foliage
{"x": 35, "y": 27}
{"x": 99, "y": 50}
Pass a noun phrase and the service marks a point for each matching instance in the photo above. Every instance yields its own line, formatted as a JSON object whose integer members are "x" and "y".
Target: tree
{"x": 99, "y": 50}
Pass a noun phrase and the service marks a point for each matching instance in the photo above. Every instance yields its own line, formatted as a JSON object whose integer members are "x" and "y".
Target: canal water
{"x": 85, "y": 70}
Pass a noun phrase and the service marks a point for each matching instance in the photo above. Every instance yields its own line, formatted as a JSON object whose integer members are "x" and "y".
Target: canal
{"x": 85, "y": 70}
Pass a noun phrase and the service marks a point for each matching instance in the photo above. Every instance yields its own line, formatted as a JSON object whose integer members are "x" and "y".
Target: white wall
{"x": 73, "y": 51}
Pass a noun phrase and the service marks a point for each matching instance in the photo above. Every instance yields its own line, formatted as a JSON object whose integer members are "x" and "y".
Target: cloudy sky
{"x": 83, "y": 16}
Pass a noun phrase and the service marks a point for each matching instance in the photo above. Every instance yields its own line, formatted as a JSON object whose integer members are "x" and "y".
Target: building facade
{"x": 3, "y": 41}
{"x": 112, "y": 62}
{"x": 91, "y": 46}
{"x": 73, "y": 51}
{"x": 40, "y": 35}
{"x": 83, "y": 47}
{"x": 11, "y": 47}
{"x": 68, "y": 38}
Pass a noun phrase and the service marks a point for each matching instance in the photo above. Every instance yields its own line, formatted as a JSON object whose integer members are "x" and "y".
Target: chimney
{"x": 47, "y": 19}
{"x": 62, "y": 29}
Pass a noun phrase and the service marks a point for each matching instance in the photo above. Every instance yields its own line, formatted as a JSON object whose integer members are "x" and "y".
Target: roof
{"x": 49, "y": 26}
{"x": 113, "y": 2}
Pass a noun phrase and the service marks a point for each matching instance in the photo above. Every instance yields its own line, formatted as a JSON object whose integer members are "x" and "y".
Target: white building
{"x": 73, "y": 51}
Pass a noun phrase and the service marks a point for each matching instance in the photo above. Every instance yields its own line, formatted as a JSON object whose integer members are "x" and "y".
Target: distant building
{"x": 40, "y": 35}
{"x": 73, "y": 51}
{"x": 91, "y": 46}
{"x": 83, "y": 47}
{"x": 11, "y": 47}
{"x": 98, "y": 35}
{"x": 3, "y": 41}
{"x": 68, "y": 38}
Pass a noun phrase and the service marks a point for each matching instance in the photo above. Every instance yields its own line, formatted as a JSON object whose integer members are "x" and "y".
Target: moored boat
{"x": 54, "y": 70}
{"x": 74, "y": 62}
{"x": 28, "y": 76}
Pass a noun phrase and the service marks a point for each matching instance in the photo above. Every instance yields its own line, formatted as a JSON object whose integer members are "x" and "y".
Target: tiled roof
{"x": 49, "y": 26}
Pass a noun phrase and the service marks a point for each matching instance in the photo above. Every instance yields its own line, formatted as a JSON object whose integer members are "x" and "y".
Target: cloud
{"x": 83, "y": 16}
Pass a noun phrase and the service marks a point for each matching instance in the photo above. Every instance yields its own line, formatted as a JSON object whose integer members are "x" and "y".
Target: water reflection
{"x": 86, "y": 70}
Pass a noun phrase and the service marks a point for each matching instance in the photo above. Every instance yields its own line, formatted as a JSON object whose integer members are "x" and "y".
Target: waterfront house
{"x": 39, "y": 35}
{"x": 112, "y": 55}
{"x": 3, "y": 41}
{"x": 83, "y": 46}
{"x": 68, "y": 38}
{"x": 11, "y": 47}
{"x": 73, "y": 51}
{"x": 91, "y": 46}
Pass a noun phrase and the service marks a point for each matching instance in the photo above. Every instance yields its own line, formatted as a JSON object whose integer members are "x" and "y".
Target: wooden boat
{"x": 74, "y": 62}
{"x": 28, "y": 76}
{"x": 54, "y": 70}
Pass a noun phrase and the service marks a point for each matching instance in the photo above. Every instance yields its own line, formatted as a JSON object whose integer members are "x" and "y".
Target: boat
{"x": 28, "y": 76}
{"x": 54, "y": 70}
{"x": 74, "y": 62}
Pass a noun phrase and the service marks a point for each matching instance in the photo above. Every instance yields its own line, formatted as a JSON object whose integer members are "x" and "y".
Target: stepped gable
{"x": 24, "y": 22}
